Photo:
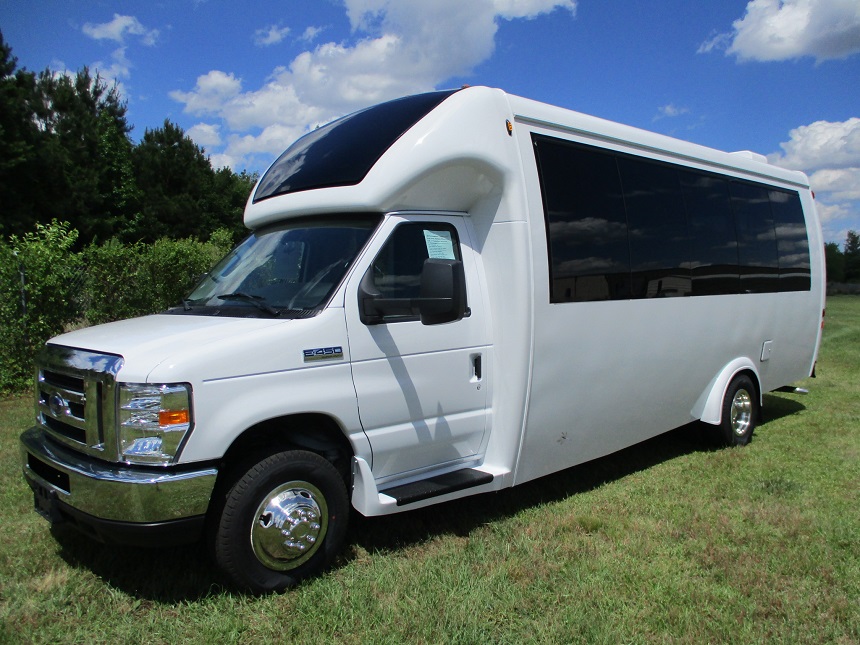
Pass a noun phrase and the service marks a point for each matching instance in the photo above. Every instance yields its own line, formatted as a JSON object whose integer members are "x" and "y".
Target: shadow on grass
{"x": 166, "y": 575}
{"x": 462, "y": 516}
{"x": 777, "y": 406}
{"x": 187, "y": 573}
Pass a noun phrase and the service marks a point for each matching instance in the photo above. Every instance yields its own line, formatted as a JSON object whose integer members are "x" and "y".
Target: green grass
{"x": 670, "y": 541}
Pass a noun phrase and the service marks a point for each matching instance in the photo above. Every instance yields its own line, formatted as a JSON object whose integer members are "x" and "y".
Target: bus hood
{"x": 146, "y": 342}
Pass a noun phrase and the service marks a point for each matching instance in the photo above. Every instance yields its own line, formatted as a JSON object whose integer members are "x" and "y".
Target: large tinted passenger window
{"x": 713, "y": 241}
{"x": 623, "y": 226}
{"x": 757, "y": 251}
{"x": 657, "y": 229}
{"x": 343, "y": 152}
{"x": 584, "y": 209}
{"x": 792, "y": 241}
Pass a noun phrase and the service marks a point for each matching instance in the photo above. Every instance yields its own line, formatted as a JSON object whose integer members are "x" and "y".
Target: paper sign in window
{"x": 440, "y": 245}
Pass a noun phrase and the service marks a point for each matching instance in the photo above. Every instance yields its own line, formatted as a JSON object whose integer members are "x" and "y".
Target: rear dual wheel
{"x": 282, "y": 520}
{"x": 740, "y": 412}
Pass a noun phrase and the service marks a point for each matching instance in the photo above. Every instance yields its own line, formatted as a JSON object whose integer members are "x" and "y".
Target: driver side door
{"x": 422, "y": 390}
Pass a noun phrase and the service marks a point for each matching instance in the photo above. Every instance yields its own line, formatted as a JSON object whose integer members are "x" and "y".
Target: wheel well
{"x": 709, "y": 407}
{"x": 316, "y": 433}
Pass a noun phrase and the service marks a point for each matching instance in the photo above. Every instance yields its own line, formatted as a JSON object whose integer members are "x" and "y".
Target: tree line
{"x": 843, "y": 265}
{"x": 66, "y": 153}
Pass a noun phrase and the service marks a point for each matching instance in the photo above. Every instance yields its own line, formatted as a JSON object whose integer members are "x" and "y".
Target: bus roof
{"x": 458, "y": 148}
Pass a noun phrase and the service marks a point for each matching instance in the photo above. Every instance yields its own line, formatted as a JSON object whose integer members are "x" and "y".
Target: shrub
{"x": 127, "y": 280}
{"x": 102, "y": 283}
{"x": 112, "y": 283}
{"x": 40, "y": 289}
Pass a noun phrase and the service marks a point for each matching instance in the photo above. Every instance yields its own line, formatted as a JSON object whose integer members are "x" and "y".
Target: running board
{"x": 792, "y": 390}
{"x": 439, "y": 485}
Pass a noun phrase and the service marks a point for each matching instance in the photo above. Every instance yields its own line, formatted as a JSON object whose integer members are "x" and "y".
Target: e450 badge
{"x": 323, "y": 354}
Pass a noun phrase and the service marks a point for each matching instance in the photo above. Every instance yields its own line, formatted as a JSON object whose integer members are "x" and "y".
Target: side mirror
{"x": 443, "y": 292}
{"x": 442, "y": 296}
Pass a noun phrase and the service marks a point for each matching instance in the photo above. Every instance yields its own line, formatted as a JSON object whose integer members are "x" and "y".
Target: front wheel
{"x": 283, "y": 520}
{"x": 740, "y": 412}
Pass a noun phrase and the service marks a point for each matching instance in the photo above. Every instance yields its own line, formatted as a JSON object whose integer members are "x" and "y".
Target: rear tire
{"x": 282, "y": 520}
{"x": 740, "y": 412}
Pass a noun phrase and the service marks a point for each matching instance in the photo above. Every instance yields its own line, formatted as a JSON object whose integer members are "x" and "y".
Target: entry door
{"x": 422, "y": 389}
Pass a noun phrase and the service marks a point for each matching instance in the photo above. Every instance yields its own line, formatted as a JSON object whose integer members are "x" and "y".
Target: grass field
{"x": 669, "y": 541}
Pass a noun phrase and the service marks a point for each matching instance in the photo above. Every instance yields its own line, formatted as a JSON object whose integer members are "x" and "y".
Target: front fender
{"x": 228, "y": 407}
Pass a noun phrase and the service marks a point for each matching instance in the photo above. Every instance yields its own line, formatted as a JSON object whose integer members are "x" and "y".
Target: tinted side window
{"x": 586, "y": 223}
{"x": 621, "y": 226}
{"x": 757, "y": 250}
{"x": 792, "y": 241}
{"x": 713, "y": 242}
{"x": 657, "y": 229}
{"x": 397, "y": 268}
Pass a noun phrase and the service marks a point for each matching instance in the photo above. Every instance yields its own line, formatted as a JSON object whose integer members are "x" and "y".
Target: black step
{"x": 439, "y": 485}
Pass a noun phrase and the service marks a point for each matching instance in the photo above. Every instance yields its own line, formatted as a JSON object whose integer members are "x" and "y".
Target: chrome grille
{"x": 76, "y": 398}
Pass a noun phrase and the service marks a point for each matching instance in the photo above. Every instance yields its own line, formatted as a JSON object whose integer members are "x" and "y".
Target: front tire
{"x": 282, "y": 520}
{"x": 740, "y": 412}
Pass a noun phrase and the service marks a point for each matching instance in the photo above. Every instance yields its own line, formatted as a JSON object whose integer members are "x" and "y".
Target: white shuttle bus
{"x": 442, "y": 295}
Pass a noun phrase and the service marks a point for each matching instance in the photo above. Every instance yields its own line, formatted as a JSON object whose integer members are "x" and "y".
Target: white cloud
{"x": 205, "y": 135}
{"x": 270, "y": 140}
{"x": 257, "y": 151}
{"x": 822, "y": 144}
{"x": 512, "y": 9}
{"x": 310, "y": 34}
{"x": 841, "y": 184}
{"x": 775, "y": 30}
{"x": 837, "y": 219}
{"x": 398, "y": 47}
{"x": 271, "y": 35}
{"x": 117, "y": 29}
{"x": 210, "y": 93}
{"x": 830, "y": 152}
{"x": 670, "y": 111}
{"x": 221, "y": 160}
{"x": 717, "y": 41}
{"x": 832, "y": 214}
{"x": 119, "y": 68}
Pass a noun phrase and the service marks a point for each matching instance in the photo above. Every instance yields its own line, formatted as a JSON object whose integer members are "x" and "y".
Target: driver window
{"x": 397, "y": 268}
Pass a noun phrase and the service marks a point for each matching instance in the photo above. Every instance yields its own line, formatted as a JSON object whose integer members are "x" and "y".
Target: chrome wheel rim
{"x": 289, "y": 525}
{"x": 741, "y": 412}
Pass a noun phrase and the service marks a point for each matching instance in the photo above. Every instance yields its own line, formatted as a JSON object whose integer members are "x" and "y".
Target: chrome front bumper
{"x": 116, "y": 493}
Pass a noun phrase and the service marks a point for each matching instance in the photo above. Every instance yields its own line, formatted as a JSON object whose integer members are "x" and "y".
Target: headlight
{"x": 153, "y": 421}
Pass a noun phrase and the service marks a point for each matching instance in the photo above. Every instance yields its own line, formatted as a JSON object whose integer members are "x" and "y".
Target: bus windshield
{"x": 289, "y": 270}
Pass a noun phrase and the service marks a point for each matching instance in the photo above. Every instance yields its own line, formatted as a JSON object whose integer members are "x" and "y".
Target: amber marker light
{"x": 173, "y": 417}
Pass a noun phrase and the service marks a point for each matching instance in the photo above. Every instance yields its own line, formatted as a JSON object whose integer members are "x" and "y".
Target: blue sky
{"x": 244, "y": 79}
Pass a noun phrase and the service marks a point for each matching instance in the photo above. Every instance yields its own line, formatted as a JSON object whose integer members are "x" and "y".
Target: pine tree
{"x": 851, "y": 252}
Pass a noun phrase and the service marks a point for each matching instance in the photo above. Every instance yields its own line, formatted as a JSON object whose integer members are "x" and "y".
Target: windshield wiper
{"x": 258, "y": 301}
